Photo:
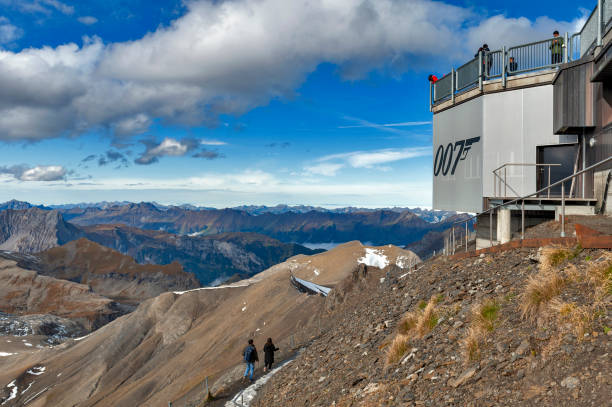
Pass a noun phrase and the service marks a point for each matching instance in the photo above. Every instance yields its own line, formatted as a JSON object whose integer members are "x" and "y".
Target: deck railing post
{"x": 466, "y": 236}
{"x": 480, "y": 70}
{"x": 563, "y": 209}
{"x": 565, "y": 45}
{"x": 503, "y": 61}
{"x": 548, "y": 181}
{"x": 505, "y": 182}
{"x": 453, "y": 85}
{"x": 431, "y": 86}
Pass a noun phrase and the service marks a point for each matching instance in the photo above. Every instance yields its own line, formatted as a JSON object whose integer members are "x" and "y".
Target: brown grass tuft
{"x": 599, "y": 275}
{"x": 398, "y": 349}
{"x": 471, "y": 344}
{"x": 579, "y": 317}
{"x": 485, "y": 315}
{"x": 428, "y": 319}
{"x": 540, "y": 289}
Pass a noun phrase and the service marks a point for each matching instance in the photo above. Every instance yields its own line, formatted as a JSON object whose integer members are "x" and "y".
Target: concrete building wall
{"x": 457, "y": 154}
{"x": 514, "y": 124}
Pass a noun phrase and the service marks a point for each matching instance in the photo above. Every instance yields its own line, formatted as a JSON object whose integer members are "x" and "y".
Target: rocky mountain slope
{"x": 316, "y": 226}
{"x": 24, "y": 292}
{"x": 112, "y": 274}
{"x": 34, "y": 230}
{"x": 524, "y": 327}
{"x": 164, "y": 349}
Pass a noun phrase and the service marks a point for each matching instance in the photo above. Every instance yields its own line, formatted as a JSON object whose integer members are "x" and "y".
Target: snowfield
{"x": 374, "y": 258}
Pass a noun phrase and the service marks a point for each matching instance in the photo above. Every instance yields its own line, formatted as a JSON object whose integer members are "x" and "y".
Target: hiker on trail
{"x": 269, "y": 350}
{"x": 250, "y": 357}
{"x": 556, "y": 48}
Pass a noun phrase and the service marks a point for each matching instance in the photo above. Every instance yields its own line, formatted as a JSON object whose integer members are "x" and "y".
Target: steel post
{"x": 523, "y": 219}
{"x": 466, "y": 236}
{"x": 453, "y": 85}
{"x": 503, "y": 60}
{"x": 505, "y": 181}
{"x": 599, "y": 22}
{"x": 491, "y": 228}
{"x": 480, "y": 70}
{"x": 565, "y": 44}
{"x": 431, "y": 85}
{"x": 563, "y": 209}
{"x": 548, "y": 181}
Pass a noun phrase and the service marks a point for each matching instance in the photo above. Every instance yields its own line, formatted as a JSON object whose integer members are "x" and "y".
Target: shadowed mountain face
{"x": 210, "y": 258}
{"x": 34, "y": 230}
{"x": 376, "y": 226}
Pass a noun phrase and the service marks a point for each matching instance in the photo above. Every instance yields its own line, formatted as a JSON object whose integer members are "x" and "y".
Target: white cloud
{"x": 38, "y": 173}
{"x": 376, "y": 125}
{"x": 169, "y": 147}
{"x": 226, "y": 58}
{"x": 87, "y": 20}
{"x": 325, "y": 169}
{"x": 368, "y": 159}
{"x": 8, "y": 32}
{"x": 206, "y": 142}
{"x": 39, "y": 6}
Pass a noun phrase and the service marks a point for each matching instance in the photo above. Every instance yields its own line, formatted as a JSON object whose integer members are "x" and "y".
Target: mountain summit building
{"x": 513, "y": 121}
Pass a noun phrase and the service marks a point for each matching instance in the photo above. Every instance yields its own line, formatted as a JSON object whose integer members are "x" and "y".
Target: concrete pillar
{"x": 504, "y": 231}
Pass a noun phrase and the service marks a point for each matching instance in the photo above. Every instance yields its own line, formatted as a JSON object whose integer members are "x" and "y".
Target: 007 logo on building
{"x": 444, "y": 156}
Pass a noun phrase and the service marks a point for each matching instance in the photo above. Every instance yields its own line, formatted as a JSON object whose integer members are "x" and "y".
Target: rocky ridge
{"x": 557, "y": 355}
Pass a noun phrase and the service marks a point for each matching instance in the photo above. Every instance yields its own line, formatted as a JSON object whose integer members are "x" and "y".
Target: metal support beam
{"x": 523, "y": 219}
{"x": 491, "y": 229}
{"x": 563, "y": 209}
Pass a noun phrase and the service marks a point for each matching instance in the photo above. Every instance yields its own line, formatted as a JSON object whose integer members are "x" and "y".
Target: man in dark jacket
{"x": 269, "y": 350}
{"x": 556, "y": 48}
{"x": 249, "y": 356}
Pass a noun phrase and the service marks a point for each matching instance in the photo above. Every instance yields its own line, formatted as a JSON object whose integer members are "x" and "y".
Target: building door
{"x": 564, "y": 154}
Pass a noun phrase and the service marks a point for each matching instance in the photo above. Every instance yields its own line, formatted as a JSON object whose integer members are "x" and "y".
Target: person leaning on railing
{"x": 512, "y": 66}
{"x": 556, "y": 48}
{"x": 486, "y": 59}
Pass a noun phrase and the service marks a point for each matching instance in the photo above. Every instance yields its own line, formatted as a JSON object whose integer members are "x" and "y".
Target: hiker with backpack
{"x": 250, "y": 357}
{"x": 269, "y": 350}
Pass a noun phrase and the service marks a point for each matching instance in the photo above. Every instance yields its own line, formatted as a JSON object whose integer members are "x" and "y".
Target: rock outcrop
{"x": 34, "y": 230}
{"x": 25, "y": 292}
{"x": 112, "y": 274}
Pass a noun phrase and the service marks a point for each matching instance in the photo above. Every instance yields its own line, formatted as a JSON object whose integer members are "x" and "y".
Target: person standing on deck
{"x": 556, "y": 48}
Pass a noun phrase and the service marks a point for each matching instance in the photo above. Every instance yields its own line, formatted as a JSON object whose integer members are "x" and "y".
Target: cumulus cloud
{"x": 226, "y": 58}
{"x": 38, "y": 173}
{"x": 87, "y": 20}
{"x": 168, "y": 147}
{"x": 8, "y": 32}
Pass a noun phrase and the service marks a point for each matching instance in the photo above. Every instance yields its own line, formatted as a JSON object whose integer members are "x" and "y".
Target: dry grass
{"x": 579, "y": 317}
{"x": 414, "y": 324}
{"x": 471, "y": 344}
{"x": 398, "y": 349}
{"x": 540, "y": 289}
{"x": 485, "y": 315}
{"x": 599, "y": 275}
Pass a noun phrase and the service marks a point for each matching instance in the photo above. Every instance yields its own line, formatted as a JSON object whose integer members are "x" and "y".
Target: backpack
{"x": 249, "y": 356}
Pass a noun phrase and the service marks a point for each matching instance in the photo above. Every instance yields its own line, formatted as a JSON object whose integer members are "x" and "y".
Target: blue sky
{"x": 239, "y": 102}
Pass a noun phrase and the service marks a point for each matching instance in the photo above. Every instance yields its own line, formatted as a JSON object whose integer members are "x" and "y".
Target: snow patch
{"x": 211, "y": 288}
{"x": 6, "y": 354}
{"x": 27, "y": 344}
{"x": 316, "y": 272}
{"x": 374, "y": 258}
{"x": 14, "y": 392}
{"x": 37, "y": 370}
{"x": 243, "y": 309}
{"x": 245, "y": 397}
{"x": 82, "y": 337}
{"x": 403, "y": 261}
{"x": 28, "y": 388}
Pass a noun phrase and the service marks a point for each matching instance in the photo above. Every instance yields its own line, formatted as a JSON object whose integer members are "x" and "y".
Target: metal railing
{"x": 531, "y": 57}
{"x": 499, "y": 182}
{"x": 522, "y": 199}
